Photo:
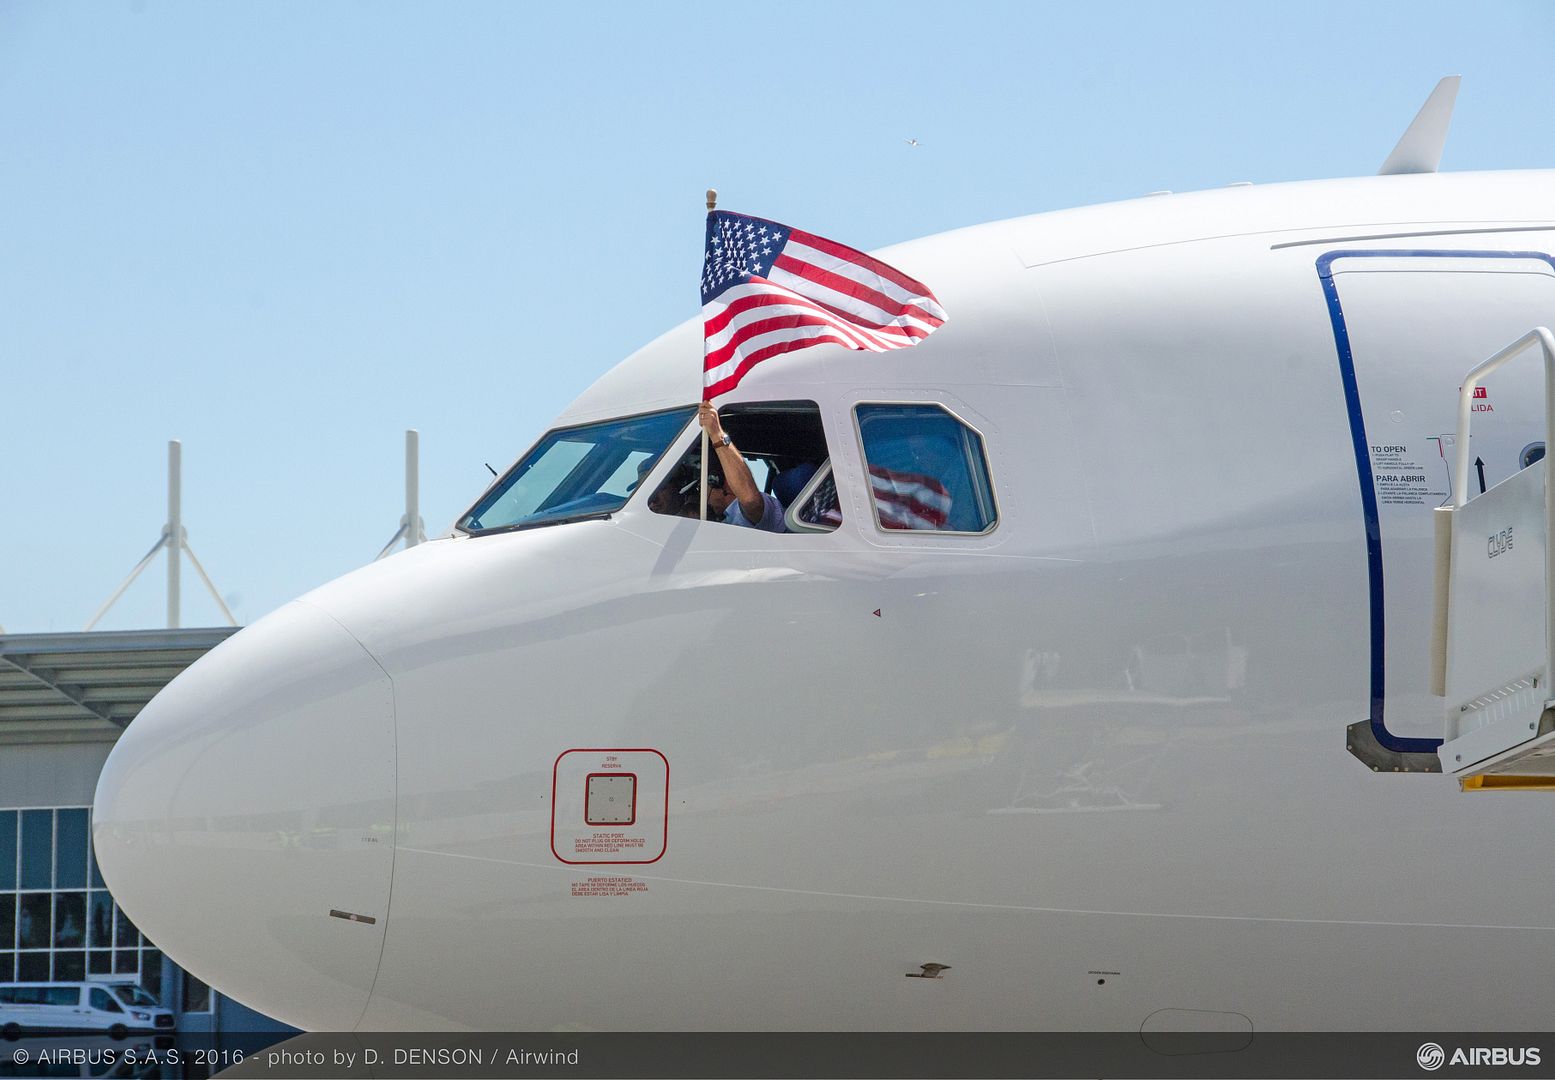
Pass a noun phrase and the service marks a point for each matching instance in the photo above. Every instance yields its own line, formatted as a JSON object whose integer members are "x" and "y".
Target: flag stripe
{"x": 909, "y": 500}
{"x": 737, "y": 314}
{"x": 759, "y": 329}
{"x": 860, "y": 298}
{"x": 851, "y": 310}
{"x": 872, "y": 273}
{"x": 906, "y": 329}
{"x": 757, "y": 286}
{"x": 803, "y": 337}
{"x": 911, "y": 289}
{"x": 760, "y": 321}
{"x": 728, "y": 380}
{"x": 894, "y": 476}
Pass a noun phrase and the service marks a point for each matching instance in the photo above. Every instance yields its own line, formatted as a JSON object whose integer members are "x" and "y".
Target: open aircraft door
{"x": 1400, "y": 321}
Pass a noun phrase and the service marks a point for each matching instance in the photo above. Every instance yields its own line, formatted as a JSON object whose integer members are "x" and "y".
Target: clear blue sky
{"x": 286, "y": 232}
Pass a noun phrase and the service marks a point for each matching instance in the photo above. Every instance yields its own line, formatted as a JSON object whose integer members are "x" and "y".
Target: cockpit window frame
{"x": 789, "y": 449}
{"x": 461, "y": 525}
{"x": 791, "y": 512}
{"x": 997, "y": 512}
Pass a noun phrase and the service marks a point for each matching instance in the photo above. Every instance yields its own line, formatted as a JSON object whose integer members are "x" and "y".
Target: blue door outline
{"x": 1352, "y": 400}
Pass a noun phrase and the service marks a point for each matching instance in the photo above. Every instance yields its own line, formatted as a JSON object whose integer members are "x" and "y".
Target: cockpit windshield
{"x": 578, "y": 472}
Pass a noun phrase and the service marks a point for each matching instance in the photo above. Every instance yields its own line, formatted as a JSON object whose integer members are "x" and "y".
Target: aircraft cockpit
{"x": 928, "y": 469}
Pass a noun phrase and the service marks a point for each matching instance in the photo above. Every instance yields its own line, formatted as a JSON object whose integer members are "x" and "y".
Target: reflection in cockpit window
{"x": 927, "y": 469}
{"x": 584, "y": 471}
{"x": 822, "y": 508}
{"x": 816, "y": 507}
{"x": 624, "y": 481}
{"x": 677, "y": 494}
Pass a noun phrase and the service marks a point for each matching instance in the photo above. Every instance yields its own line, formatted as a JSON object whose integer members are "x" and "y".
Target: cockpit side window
{"x": 928, "y": 470}
{"x": 578, "y": 472}
{"x": 784, "y": 445}
{"x": 817, "y": 508}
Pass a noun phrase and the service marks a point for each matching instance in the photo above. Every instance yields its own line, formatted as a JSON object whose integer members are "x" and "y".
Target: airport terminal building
{"x": 64, "y": 700}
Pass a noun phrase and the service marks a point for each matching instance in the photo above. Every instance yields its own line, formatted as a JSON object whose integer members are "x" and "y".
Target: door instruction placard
{"x": 1401, "y": 479}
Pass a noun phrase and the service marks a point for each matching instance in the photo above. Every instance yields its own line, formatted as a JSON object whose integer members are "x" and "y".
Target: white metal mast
{"x": 176, "y": 540}
{"x": 416, "y": 533}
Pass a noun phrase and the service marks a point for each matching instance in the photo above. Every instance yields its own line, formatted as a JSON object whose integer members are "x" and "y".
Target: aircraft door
{"x": 1408, "y": 326}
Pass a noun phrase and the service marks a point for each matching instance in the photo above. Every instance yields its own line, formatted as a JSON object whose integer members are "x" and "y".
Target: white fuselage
{"x": 1094, "y": 761}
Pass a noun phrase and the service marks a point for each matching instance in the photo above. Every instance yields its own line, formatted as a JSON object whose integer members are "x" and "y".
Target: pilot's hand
{"x": 707, "y": 416}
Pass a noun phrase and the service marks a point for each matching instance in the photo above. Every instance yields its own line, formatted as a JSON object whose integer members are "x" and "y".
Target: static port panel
{"x": 610, "y": 806}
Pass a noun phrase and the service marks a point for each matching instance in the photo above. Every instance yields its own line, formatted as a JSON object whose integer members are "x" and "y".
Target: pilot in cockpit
{"x": 735, "y": 498}
{"x": 676, "y": 496}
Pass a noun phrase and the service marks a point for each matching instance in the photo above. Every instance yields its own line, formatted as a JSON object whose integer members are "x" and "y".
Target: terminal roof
{"x": 88, "y": 686}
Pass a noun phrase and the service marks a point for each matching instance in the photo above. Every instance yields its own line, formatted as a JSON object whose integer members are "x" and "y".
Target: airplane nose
{"x": 245, "y": 819}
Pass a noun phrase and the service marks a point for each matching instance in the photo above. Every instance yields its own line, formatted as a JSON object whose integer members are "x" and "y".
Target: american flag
{"x": 906, "y": 500}
{"x": 770, "y": 289}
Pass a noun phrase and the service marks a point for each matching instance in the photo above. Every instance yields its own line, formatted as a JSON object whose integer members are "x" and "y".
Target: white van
{"x": 117, "y": 1008}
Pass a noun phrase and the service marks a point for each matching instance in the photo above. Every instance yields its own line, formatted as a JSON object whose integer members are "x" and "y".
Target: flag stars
{"x": 740, "y": 248}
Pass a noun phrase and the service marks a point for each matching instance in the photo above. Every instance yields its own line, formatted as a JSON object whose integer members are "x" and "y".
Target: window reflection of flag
{"x": 907, "y": 500}
{"x": 822, "y": 508}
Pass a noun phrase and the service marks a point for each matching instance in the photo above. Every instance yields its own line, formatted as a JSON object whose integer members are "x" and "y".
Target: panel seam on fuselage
{"x": 1360, "y": 239}
{"x": 394, "y": 848}
{"x": 983, "y": 906}
{"x": 1488, "y": 227}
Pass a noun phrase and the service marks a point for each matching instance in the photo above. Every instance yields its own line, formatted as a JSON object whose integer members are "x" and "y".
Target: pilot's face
{"x": 718, "y": 499}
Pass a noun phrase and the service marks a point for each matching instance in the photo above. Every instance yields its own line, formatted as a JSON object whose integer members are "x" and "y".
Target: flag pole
{"x": 712, "y": 204}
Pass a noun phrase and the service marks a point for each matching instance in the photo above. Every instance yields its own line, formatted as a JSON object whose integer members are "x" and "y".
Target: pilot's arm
{"x": 737, "y": 474}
